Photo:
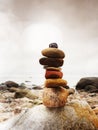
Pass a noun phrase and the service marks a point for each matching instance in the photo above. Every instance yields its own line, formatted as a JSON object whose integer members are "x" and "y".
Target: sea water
{"x": 71, "y": 79}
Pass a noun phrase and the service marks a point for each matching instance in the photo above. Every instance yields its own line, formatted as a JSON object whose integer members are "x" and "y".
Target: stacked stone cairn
{"x": 55, "y": 93}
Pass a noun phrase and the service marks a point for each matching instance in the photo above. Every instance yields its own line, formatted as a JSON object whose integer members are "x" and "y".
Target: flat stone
{"x": 52, "y": 62}
{"x": 55, "y": 82}
{"x": 53, "y": 53}
{"x": 53, "y": 74}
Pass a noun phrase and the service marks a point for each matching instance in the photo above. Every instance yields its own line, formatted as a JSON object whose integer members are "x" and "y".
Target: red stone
{"x": 53, "y": 74}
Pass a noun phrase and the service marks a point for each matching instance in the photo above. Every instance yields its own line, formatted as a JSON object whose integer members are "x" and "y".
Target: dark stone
{"x": 89, "y": 88}
{"x": 52, "y": 62}
{"x": 53, "y": 45}
{"x": 53, "y": 53}
{"x": 10, "y": 84}
{"x": 94, "y": 91}
{"x": 88, "y": 84}
{"x": 19, "y": 95}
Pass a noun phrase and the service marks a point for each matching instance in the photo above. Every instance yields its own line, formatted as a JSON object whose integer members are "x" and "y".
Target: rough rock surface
{"x": 55, "y": 97}
{"x": 76, "y": 115}
{"x": 91, "y": 98}
{"x": 26, "y": 113}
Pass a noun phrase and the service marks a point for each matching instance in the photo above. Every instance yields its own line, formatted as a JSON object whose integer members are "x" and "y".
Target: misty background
{"x": 29, "y": 26}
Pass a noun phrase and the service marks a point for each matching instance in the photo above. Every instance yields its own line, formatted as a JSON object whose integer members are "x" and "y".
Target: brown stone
{"x": 53, "y": 53}
{"x": 55, "y": 82}
{"x": 52, "y": 62}
{"x": 96, "y": 110}
{"x": 55, "y": 97}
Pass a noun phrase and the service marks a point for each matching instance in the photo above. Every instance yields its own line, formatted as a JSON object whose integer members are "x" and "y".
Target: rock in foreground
{"x": 76, "y": 115}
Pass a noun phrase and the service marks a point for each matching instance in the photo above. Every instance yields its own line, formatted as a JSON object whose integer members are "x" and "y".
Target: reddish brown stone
{"x": 53, "y": 74}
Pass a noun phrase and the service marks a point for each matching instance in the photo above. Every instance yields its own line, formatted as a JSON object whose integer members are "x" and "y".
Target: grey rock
{"x": 89, "y": 88}
{"x": 76, "y": 115}
{"x": 84, "y": 82}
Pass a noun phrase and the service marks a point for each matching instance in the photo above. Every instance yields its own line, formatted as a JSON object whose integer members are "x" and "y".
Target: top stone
{"x": 53, "y": 53}
{"x": 53, "y": 45}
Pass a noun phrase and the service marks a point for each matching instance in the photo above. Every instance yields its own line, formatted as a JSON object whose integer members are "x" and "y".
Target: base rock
{"x": 75, "y": 115}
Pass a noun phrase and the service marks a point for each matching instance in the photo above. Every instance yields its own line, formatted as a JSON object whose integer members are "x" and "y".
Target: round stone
{"x": 52, "y": 83}
{"x": 55, "y": 97}
{"x": 53, "y": 45}
{"x": 53, "y": 62}
{"x": 53, "y": 74}
{"x": 53, "y": 53}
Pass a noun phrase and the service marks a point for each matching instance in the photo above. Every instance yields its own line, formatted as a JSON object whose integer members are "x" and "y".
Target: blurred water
{"x": 39, "y": 80}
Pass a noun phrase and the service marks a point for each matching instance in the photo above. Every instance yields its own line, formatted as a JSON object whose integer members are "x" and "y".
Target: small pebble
{"x": 53, "y": 45}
